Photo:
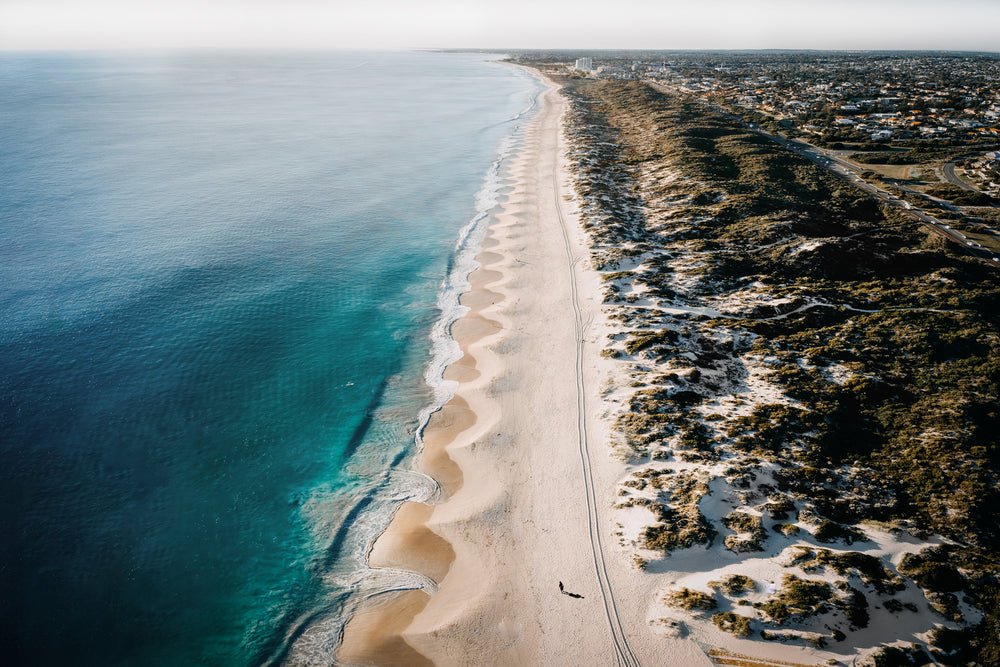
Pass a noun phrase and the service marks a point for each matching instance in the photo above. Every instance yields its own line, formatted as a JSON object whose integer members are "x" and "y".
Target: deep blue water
{"x": 218, "y": 279}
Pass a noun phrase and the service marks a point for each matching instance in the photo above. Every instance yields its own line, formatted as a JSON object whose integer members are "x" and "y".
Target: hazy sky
{"x": 649, "y": 24}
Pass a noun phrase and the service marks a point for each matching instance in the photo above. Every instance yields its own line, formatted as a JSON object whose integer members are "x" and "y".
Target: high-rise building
{"x": 584, "y": 63}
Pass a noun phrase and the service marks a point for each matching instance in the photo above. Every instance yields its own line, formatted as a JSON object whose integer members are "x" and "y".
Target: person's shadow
{"x": 565, "y": 592}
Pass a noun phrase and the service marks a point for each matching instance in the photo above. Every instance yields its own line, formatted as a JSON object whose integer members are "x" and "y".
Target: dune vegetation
{"x": 788, "y": 343}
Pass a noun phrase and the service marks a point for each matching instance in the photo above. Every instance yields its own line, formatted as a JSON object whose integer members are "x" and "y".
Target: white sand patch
{"x": 807, "y": 246}
{"x": 757, "y": 389}
{"x": 631, "y": 521}
{"x": 837, "y": 373}
{"x": 739, "y": 302}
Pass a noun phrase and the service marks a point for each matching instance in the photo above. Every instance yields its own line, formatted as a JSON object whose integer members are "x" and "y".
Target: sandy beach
{"x": 525, "y": 474}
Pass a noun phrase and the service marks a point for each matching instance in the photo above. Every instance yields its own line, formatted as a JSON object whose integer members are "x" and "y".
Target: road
{"x": 949, "y": 174}
{"x": 848, "y": 171}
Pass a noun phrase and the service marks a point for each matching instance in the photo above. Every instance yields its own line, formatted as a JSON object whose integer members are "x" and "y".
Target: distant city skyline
{"x": 966, "y": 25}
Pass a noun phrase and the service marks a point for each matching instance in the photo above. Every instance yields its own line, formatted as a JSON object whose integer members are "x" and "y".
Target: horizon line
{"x": 486, "y": 49}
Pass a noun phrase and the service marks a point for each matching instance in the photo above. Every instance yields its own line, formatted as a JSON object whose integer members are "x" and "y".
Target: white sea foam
{"x": 445, "y": 349}
{"x": 403, "y": 485}
{"x": 396, "y": 486}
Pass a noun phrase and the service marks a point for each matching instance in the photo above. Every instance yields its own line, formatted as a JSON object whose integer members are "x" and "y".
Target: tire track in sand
{"x": 624, "y": 657}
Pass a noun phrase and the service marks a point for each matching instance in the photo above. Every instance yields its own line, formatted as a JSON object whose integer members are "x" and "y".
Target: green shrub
{"x": 830, "y": 531}
{"x": 735, "y": 584}
{"x": 855, "y": 608}
{"x": 778, "y": 509}
{"x": 953, "y": 645}
{"x": 788, "y": 529}
{"x": 797, "y": 597}
{"x": 690, "y": 600}
{"x": 641, "y": 340}
{"x": 895, "y": 656}
{"x": 931, "y": 575}
{"x": 743, "y": 522}
{"x": 804, "y": 593}
{"x": 777, "y": 610}
{"x": 732, "y": 623}
{"x": 869, "y": 568}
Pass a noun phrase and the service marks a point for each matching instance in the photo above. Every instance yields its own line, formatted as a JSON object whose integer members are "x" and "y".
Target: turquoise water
{"x": 220, "y": 278}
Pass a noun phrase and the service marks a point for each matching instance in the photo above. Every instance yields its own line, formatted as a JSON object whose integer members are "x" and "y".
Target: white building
{"x": 584, "y": 64}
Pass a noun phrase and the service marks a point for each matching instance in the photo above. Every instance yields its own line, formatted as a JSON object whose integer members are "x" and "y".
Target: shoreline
{"x": 376, "y": 632}
{"x": 520, "y": 542}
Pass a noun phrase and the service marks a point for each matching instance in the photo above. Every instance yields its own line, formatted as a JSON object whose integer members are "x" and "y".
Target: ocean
{"x": 225, "y": 285}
